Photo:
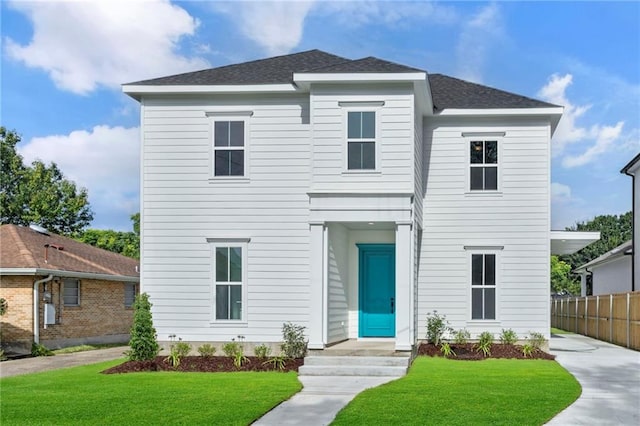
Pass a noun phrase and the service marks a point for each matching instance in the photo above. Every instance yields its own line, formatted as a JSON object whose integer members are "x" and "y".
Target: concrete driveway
{"x": 610, "y": 379}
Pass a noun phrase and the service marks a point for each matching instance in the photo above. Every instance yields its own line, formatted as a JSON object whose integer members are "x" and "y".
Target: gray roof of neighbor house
{"x": 447, "y": 92}
{"x": 26, "y": 248}
{"x": 623, "y": 249}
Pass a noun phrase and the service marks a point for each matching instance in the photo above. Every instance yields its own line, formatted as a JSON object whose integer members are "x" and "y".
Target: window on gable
{"x": 228, "y": 282}
{"x": 361, "y": 140}
{"x": 229, "y": 148}
{"x": 483, "y": 286}
{"x": 71, "y": 292}
{"x": 483, "y": 158}
{"x": 130, "y": 292}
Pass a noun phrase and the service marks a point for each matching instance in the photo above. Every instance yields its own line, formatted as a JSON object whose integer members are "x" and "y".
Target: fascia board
{"x": 67, "y": 274}
{"x": 357, "y": 77}
{"x": 136, "y": 91}
{"x": 554, "y": 113}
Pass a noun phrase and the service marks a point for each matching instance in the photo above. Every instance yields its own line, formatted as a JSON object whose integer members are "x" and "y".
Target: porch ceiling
{"x": 568, "y": 242}
{"x": 369, "y": 226}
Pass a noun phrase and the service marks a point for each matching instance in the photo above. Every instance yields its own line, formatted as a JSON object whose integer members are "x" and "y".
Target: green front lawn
{"x": 442, "y": 391}
{"x": 81, "y": 395}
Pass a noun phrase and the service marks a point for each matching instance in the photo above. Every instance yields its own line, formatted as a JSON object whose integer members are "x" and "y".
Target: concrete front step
{"x": 354, "y": 366}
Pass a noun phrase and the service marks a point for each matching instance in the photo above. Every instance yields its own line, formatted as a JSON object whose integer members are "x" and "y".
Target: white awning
{"x": 568, "y": 242}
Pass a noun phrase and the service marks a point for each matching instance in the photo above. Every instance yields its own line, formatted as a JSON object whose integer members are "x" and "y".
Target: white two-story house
{"x": 352, "y": 197}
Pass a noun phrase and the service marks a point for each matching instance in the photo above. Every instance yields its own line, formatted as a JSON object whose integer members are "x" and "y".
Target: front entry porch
{"x": 362, "y": 270}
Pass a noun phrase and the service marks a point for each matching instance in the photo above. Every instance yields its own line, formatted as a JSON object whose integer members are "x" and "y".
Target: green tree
{"x": 125, "y": 243}
{"x": 143, "y": 343}
{"x": 561, "y": 277}
{"x": 614, "y": 230}
{"x": 39, "y": 193}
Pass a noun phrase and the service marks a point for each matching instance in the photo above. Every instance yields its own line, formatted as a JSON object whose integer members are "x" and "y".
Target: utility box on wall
{"x": 49, "y": 314}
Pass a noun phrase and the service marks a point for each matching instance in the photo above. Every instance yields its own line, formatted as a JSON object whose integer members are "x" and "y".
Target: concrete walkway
{"x": 320, "y": 400}
{"x": 46, "y": 363}
{"x": 610, "y": 379}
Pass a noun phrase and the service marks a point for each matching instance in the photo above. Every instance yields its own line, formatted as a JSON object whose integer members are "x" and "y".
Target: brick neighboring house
{"x": 84, "y": 294}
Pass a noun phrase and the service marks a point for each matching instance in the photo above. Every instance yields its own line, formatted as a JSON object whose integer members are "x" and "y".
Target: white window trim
{"x": 64, "y": 284}
{"x": 495, "y": 250}
{"x": 215, "y": 116}
{"x": 348, "y": 107}
{"x": 243, "y": 243}
{"x": 480, "y": 136}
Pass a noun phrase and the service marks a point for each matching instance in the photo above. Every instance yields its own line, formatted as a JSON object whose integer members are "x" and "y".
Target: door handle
{"x": 393, "y": 305}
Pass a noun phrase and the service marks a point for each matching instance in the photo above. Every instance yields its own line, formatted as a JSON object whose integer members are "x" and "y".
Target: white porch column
{"x": 316, "y": 270}
{"x": 404, "y": 274}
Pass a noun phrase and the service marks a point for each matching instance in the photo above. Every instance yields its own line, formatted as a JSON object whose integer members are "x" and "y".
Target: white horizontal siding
{"x": 517, "y": 219}
{"x": 183, "y": 206}
{"x": 395, "y": 139}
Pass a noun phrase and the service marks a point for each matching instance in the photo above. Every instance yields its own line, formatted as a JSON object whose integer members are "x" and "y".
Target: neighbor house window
{"x": 229, "y": 148}
{"x": 130, "y": 291}
{"x": 361, "y": 140}
{"x": 483, "y": 158}
{"x": 229, "y": 276}
{"x": 483, "y": 286}
{"x": 71, "y": 292}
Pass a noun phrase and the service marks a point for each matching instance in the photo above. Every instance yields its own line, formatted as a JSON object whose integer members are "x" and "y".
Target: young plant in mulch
{"x": 437, "y": 326}
{"x": 143, "y": 342}
{"x": 508, "y": 337}
{"x": 485, "y": 341}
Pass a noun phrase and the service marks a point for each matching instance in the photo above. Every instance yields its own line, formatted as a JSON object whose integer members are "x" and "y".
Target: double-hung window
{"x": 361, "y": 140}
{"x": 483, "y": 159}
{"x": 229, "y": 148}
{"x": 229, "y": 280}
{"x": 483, "y": 286}
{"x": 71, "y": 292}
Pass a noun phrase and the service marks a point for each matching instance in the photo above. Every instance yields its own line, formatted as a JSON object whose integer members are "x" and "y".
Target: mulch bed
{"x": 468, "y": 352}
{"x": 215, "y": 364}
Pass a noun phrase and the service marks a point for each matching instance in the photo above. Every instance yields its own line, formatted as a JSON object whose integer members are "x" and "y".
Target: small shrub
{"x": 40, "y": 350}
{"x": 437, "y": 326}
{"x": 508, "y": 337}
{"x": 206, "y": 350}
{"x": 536, "y": 340}
{"x": 294, "y": 343}
{"x": 446, "y": 350}
{"x": 232, "y": 348}
{"x": 3, "y": 306}
{"x": 461, "y": 337}
{"x": 262, "y": 351}
{"x": 177, "y": 351}
{"x": 239, "y": 359}
{"x": 527, "y": 349}
{"x": 484, "y": 343}
{"x": 278, "y": 362}
{"x": 143, "y": 343}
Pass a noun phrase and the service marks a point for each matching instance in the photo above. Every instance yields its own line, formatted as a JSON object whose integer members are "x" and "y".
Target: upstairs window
{"x": 229, "y": 148}
{"x": 483, "y": 156}
{"x": 483, "y": 286}
{"x": 361, "y": 140}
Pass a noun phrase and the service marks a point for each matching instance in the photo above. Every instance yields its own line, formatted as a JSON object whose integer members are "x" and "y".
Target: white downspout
{"x": 36, "y": 310}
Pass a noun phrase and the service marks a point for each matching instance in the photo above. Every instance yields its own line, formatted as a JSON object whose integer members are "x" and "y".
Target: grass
{"x": 84, "y": 348}
{"x": 559, "y": 331}
{"x": 81, "y": 395}
{"x": 442, "y": 391}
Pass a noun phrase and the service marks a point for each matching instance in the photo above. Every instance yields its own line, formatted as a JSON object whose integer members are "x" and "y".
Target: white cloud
{"x": 105, "y": 160}
{"x": 604, "y": 137}
{"x": 86, "y": 44}
{"x": 600, "y": 138}
{"x": 476, "y": 40}
{"x": 276, "y": 26}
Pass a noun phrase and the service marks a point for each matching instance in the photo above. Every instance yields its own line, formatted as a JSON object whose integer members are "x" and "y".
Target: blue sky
{"x": 63, "y": 63}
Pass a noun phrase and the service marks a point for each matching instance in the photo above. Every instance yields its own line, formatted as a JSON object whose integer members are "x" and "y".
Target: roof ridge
{"x": 22, "y": 248}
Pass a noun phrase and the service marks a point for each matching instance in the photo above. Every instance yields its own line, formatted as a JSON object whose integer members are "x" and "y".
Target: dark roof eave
{"x": 68, "y": 274}
{"x": 629, "y": 165}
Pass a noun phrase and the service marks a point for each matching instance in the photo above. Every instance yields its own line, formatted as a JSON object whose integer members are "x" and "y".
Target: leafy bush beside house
{"x": 143, "y": 342}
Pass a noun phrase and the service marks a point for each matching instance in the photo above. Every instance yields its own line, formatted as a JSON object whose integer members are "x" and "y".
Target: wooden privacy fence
{"x": 613, "y": 318}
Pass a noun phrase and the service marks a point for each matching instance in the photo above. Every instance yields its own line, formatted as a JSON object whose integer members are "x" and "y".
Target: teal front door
{"x": 377, "y": 290}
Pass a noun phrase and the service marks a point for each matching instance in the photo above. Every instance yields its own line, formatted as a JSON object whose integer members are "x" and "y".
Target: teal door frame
{"x": 376, "y": 290}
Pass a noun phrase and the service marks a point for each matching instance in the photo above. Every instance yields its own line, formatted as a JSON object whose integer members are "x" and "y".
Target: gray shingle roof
{"x": 447, "y": 92}
{"x": 453, "y": 93}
